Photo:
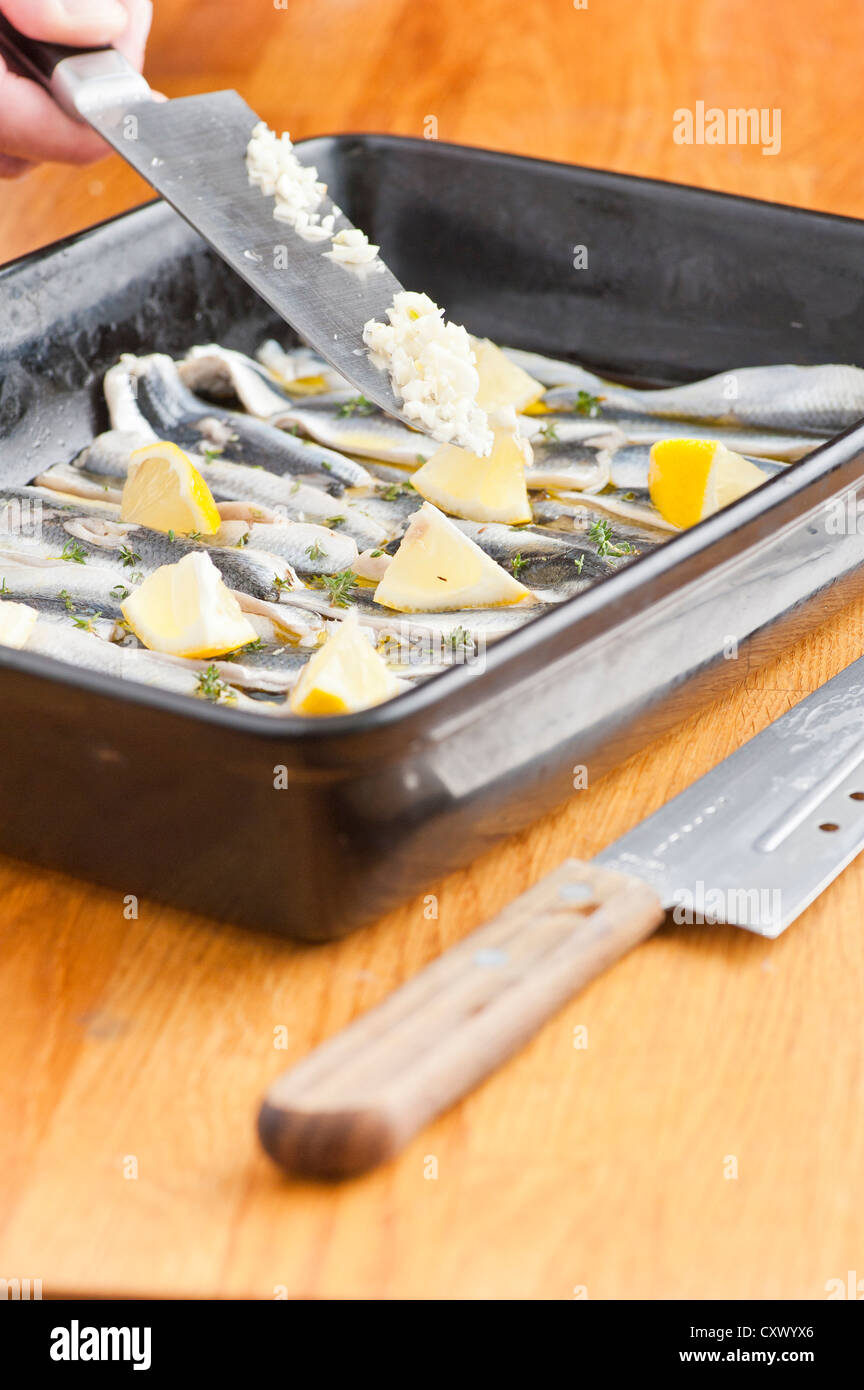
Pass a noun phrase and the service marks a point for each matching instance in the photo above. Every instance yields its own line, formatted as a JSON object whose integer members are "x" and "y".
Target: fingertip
{"x": 81, "y": 23}
{"x": 133, "y": 41}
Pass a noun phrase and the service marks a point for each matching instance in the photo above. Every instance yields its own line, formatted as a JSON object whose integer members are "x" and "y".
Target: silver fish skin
{"x": 570, "y": 465}
{"x": 821, "y": 399}
{"x": 295, "y": 367}
{"x": 105, "y": 627}
{"x": 85, "y": 649}
{"x": 628, "y": 467}
{"x": 647, "y": 429}
{"x": 552, "y": 371}
{"x": 225, "y": 374}
{"x": 284, "y": 497}
{"x": 345, "y": 422}
{"x": 627, "y": 496}
{"x": 553, "y": 566}
{"x": 296, "y": 501}
{"x": 789, "y": 397}
{"x": 389, "y": 473}
{"x": 143, "y": 550}
{"x": 22, "y": 507}
{"x": 390, "y": 504}
{"x": 82, "y": 591}
{"x": 70, "y": 480}
{"x": 39, "y": 534}
{"x": 339, "y": 420}
{"x": 170, "y": 411}
{"x": 634, "y": 523}
{"x": 74, "y": 589}
{"x": 272, "y": 668}
{"x": 308, "y": 549}
{"x": 484, "y": 624}
{"x": 126, "y": 548}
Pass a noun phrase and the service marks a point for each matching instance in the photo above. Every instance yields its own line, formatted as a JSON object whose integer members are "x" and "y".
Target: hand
{"x": 32, "y": 126}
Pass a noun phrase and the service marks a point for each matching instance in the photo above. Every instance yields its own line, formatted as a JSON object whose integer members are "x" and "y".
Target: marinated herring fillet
{"x": 311, "y": 516}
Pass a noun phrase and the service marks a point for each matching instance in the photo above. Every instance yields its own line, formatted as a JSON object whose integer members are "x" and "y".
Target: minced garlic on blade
{"x": 353, "y": 247}
{"x": 432, "y": 370}
{"x": 272, "y": 165}
{"x": 431, "y": 362}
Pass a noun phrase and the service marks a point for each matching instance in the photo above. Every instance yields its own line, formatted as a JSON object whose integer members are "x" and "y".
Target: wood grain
{"x": 602, "y": 1169}
{"x": 354, "y": 1102}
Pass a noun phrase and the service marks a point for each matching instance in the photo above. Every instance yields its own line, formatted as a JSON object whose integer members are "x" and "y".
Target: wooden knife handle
{"x": 356, "y": 1100}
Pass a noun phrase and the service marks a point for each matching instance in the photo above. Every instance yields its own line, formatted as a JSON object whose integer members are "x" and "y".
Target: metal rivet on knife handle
{"x": 359, "y": 1098}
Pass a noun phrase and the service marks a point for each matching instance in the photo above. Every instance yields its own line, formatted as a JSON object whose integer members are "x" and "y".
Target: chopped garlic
{"x": 432, "y": 370}
{"x": 353, "y": 247}
{"x": 275, "y": 168}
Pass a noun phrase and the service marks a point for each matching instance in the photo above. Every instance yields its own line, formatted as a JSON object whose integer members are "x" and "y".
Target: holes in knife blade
{"x": 856, "y": 796}
{"x": 829, "y": 825}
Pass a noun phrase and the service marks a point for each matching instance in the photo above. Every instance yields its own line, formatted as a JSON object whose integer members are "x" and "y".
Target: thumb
{"x": 76, "y": 22}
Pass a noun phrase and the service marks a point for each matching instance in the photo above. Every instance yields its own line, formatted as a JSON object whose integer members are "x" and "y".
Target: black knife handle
{"x": 82, "y": 81}
{"x": 35, "y": 57}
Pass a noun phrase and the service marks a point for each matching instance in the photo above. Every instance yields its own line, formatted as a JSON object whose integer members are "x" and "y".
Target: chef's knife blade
{"x": 751, "y": 843}
{"x": 759, "y": 837}
{"x": 192, "y": 150}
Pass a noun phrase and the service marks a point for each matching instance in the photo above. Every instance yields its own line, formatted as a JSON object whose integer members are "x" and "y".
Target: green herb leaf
{"x": 86, "y": 622}
{"x": 74, "y": 552}
{"x": 340, "y": 587}
{"x": 211, "y": 686}
{"x": 586, "y": 404}
{"x": 358, "y": 406}
{"x": 600, "y": 531}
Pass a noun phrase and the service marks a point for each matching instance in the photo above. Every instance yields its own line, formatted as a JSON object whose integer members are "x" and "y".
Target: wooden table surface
{"x": 145, "y": 1045}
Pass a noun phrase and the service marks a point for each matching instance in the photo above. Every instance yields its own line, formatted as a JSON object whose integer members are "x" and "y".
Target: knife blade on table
{"x": 750, "y": 844}
{"x": 192, "y": 150}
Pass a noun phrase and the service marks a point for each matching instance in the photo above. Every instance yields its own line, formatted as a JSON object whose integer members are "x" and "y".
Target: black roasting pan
{"x": 156, "y": 794}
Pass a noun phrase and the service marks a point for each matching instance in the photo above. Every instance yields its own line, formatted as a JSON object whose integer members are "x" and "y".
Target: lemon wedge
{"x": 344, "y": 675}
{"x": 17, "y": 621}
{"x": 479, "y": 489}
{"x": 502, "y": 383}
{"x": 437, "y": 568}
{"x": 165, "y": 491}
{"x": 689, "y": 479}
{"x": 186, "y": 610}
{"x": 306, "y": 385}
